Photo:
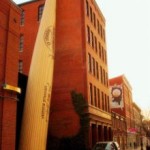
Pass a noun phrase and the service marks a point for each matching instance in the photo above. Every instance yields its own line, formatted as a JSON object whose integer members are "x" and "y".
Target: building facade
{"x": 121, "y": 103}
{"x": 31, "y": 13}
{"x": 138, "y": 126}
{"x": 80, "y": 65}
{"x": 119, "y": 129}
{"x": 9, "y": 39}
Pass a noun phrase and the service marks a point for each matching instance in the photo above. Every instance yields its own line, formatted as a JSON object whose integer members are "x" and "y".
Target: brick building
{"x": 137, "y": 125}
{"x": 80, "y": 65}
{"x": 31, "y": 14}
{"x": 119, "y": 129}
{"x": 121, "y": 103}
{"x": 9, "y": 39}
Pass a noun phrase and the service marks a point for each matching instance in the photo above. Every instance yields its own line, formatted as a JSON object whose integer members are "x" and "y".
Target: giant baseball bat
{"x": 38, "y": 96}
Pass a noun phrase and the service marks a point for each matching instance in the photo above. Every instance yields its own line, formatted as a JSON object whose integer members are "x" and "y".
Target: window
{"x": 101, "y": 73}
{"x": 95, "y": 44}
{"x": 105, "y": 102}
{"x": 101, "y": 31}
{"x": 104, "y": 77}
{"x": 88, "y": 35}
{"x": 87, "y": 8}
{"x": 91, "y": 93}
{"x": 92, "y": 39}
{"x": 21, "y": 44}
{"x": 103, "y": 34}
{"x": 98, "y": 26}
{"x": 93, "y": 62}
{"x": 40, "y": 12}
{"x": 98, "y": 95}
{"x": 97, "y": 70}
{"x": 94, "y": 19}
{"x": 89, "y": 63}
{"x": 100, "y": 52}
{"x": 108, "y": 104}
{"x": 20, "y": 66}
{"x": 91, "y": 14}
{"x": 22, "y": 17}
{"x": 102, "y": 101}
{"x": 105, "y": 57}
{"x": 95, "y": 96}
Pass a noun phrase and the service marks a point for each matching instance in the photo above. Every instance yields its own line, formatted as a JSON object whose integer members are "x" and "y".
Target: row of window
{"x": 98, "y": 98}
{"x": 92, "y": 40}
{"x": 97, "y": 70}
{"x": 21, "y": 43}
{"x": 129, "y": 122}
{"x": 20, "y": 67}
{"x": 118, "y": 124}
{"x": 95, "y": 21}
{"x": 40, "y": 12}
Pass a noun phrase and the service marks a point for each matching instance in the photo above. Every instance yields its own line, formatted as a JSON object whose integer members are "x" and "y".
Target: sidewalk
{"x": 138, "y": 148}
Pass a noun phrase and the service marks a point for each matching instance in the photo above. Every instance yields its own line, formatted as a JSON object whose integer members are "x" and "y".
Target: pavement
{"x": 138, "y": 148}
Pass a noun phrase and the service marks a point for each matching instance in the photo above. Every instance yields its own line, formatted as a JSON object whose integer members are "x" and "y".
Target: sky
{"x": 128, "y": 46}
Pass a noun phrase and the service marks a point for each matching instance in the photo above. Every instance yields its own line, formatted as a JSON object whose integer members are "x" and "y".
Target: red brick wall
{"x": 3, "y": 16}
{"x": 9, "y": 29}
{"x": 29, "y": 30}
{"x": 69, "y": 61}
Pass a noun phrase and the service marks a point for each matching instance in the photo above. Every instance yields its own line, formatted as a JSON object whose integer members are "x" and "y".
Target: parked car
{"x": 117, "y": 145}
{"x": 108, "y": 145}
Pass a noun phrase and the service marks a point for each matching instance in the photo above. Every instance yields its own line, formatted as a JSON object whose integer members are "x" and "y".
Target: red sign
{"x": 132, "y": 130}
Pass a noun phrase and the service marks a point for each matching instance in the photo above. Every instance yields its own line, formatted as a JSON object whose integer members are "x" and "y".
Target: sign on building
{"x": 116, "y": 96}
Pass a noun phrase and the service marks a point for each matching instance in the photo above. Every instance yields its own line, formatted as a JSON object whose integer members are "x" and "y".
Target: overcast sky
{"x": 128, "y": 46}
